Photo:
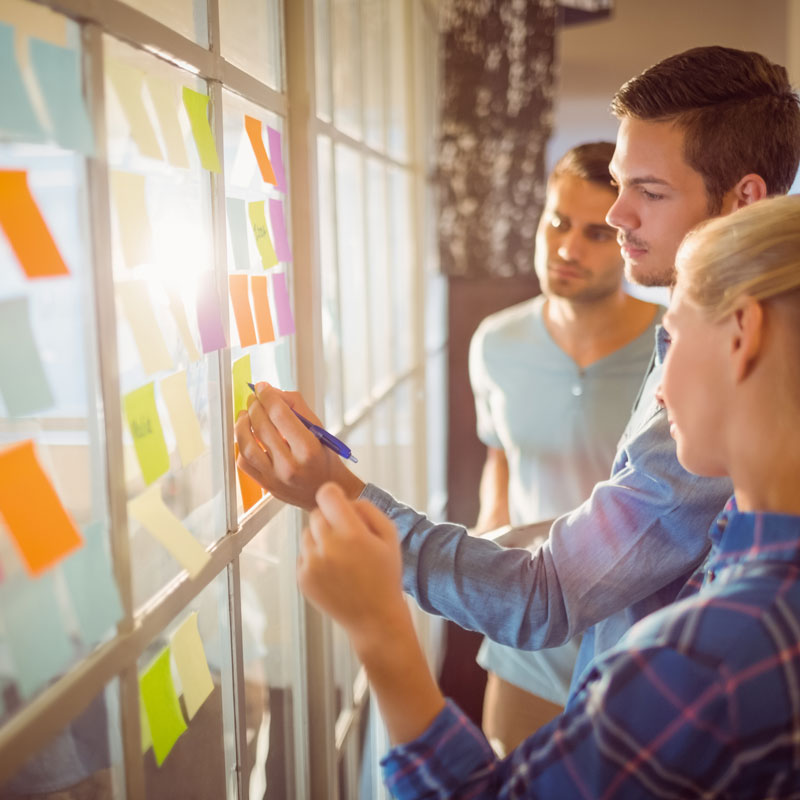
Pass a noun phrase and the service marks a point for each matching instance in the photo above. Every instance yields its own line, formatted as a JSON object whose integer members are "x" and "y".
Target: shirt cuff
{"x": 381, "y": 499}
{"x": 441, "y": 759}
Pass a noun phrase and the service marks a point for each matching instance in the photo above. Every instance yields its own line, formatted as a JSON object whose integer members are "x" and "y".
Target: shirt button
{"x": 710, "y": 575}
{"x": 577, "y": 390}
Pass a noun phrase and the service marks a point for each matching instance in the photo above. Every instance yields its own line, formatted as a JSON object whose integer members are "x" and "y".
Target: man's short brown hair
{"x": 589, "y": 162}
{"x": 737, "y": 109}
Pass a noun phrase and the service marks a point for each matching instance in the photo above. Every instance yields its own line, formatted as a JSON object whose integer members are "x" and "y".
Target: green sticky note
{"x": 258, "y": 221}
{"x": 190, "y": 659}
{"x": 196, "y": 105}
{"x": 92, "y": 588}
{"x": 161, "y": 705}
{"x": 242, "y": 375}
{"x": 145, "y": 428}
{"x": 144, "y": 727}
{"x": 17, "y": 117}
{"x": 23, "y": 382}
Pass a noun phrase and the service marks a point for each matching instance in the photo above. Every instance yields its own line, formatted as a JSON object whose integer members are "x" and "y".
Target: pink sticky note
{"x": 283, "y": 306}
{"x": 209, "y": 317}
{"x": 276, "y": 157}
{"x": 282, "y": 249}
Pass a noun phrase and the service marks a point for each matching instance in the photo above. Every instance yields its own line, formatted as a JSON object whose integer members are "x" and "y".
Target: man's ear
{"x": 749, "y": 189}
{"x": 747, "y": 332}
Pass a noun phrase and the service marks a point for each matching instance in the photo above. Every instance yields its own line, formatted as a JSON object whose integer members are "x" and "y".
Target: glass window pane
{"x": 347, "y": 67}
{"x": 84, "y": 760}
{"x": 373, "y": 29}
{"x": 162, "y": 254}
{"x": 402, "y": 267}
{"x": 186, "y": 689}
{"x": 397, "y": 122}
{"x": 380, "y": 281}
{"x": 272, "y": 668}
{"x": 406, "y": 398}
{"x": 329, "y": 278}
{"x": 250, "y": 38}
{"x": 187, "y": 17}
{"x": 352, "y": 277}
{"x": 322, "y": 59}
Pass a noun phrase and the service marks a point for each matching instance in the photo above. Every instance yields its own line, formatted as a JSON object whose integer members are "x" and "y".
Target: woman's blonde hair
{"x": 754, "y": 252}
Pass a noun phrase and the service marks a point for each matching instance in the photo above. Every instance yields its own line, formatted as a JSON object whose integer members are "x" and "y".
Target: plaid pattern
{"x": 700, "y": 699}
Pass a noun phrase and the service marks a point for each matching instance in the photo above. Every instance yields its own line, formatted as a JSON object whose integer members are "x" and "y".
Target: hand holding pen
{"x": 325, "y": 438}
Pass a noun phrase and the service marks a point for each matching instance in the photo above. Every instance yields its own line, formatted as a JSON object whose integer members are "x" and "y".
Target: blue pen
{"x": 328, "y": 439}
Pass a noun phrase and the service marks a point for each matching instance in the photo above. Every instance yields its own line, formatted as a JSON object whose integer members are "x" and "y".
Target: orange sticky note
{"x": 266, "y": 333}
{"x": 38, "y": 523}
{"x": 26, "y": 229}
{"x": 251, "y": 489}
{"x": 253, "y": 128}
{"x": 240, "y": 298}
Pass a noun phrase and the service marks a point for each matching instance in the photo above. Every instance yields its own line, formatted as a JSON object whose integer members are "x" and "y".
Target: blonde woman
{"x": 700, "y": 699}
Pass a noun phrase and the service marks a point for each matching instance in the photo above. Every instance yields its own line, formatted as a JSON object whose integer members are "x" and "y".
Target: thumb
{"x": 377, "y": 522}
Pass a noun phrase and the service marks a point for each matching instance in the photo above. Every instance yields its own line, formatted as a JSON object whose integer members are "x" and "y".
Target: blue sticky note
{"x": 35, "y": 632}
{"x": 17, "y": 118}
{"x": 58, "y": 72}
{"x": 23, "y": 383}
{"x": 237, "y": 226}
{"x": 92, "y": 589}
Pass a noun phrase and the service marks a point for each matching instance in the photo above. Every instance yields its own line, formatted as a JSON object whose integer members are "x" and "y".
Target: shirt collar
{"x": 662, "y": 344}
{"x": 753, "y": 536}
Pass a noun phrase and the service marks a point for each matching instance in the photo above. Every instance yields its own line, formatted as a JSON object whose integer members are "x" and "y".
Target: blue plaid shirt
{"x": 700, "y": 699}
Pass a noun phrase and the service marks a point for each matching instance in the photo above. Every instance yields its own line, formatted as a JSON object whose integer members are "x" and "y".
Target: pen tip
{"x": 252, "y": 386}
{"x": 352, "y": 458}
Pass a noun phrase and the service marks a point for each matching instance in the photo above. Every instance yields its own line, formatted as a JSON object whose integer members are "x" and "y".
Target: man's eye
{"x": 652, "y": 195}
{"x": 602, "y": 236}
{"x": 559, "y": 223}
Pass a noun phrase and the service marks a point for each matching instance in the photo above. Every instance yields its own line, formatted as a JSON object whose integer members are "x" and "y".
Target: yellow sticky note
{"x": 179, "y": 313}
{"x": 161, "y": 705}
{"x": 145, "y": 428}
{"x": 258, "y": 221}
{"x": 135, "y": 300}
{"x": 165, "y": 100}
{"x": 183, "y": 417}
{"x": 242, "y": 375}
{"x": 128, "y": 195}
{"x": 128, "y": 83}
{"x": 190, "y": 659}
{"x": 149, "y": 510}
{"x": 197, "y": 108}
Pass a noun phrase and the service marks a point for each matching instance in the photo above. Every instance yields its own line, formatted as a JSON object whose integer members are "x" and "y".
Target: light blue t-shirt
{"x": 559, "y": 426}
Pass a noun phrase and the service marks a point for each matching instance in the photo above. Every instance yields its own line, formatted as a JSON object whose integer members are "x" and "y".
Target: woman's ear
{"x": 747, "y": 331}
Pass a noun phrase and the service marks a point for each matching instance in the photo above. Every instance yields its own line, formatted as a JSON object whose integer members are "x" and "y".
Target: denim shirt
{"x": 624, "y": 553}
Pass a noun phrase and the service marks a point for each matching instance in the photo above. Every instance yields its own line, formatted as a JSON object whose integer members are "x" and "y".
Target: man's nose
{"x": 621, "y": 215}
{"x": 570, "y": 246}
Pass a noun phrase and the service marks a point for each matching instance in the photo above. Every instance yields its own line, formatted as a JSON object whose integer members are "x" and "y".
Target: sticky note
{"x": 58, "y": 73}
{"x": 23, "y": 382}
{"x": 130, "y": 202}
{"x": 276, "y": 157}
{"x": 145, "y": 428}
{"x": 144, "y": 727}
{"x": 26, "y": 229}
{"x": 35, "y": 21}
{"x": 258, "y": 222}
{"x": 165, "y": 101}
{"x": 237, "y": 228}
{"x": 128, "y": 83}
{"x": 161, "y": 705}
{"x": 258, "y": 287}
{"x": 242, "y": 312}
{"x": 250, "y": 488}
{"x": 253, "y": 128}
{"x": 242, "y": 375}
{"x": 283, "y": 365}
{"x": 40, "y": 526}
{"x": 182, "y": 323}
{"x": 183, "y": 417}
{"x": 279, "y": 230}
{"x": 18, "y": 119}
{"x": 209, "y": 315}
{"x": 34, "y": 632}
{"x": 91, "y": 585}
{"x": 150, "y": 511}
{"x": 135, "y": 300}
{"x": 283, "y": 306}
{"x": 197, "y": 108}
{"x": 190, "y": 659}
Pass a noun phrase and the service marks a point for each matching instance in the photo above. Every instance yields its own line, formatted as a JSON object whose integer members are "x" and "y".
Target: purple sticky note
{"x": 209, "y": 317}
{"x": 282, "y": 249}
{"x": 276, "y": 157}
{"x": 283, "y": 306}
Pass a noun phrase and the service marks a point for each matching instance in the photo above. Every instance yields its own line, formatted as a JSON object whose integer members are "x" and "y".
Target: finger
{"x": 265, "y": 430}
{"x": 308, "y": 544}
{"x": 376, "y": 521}
{"x": 318, "y": 528}
{"x": 252, "y": 458}
{"x": 338, "y": 510}
{"x": 300, "y": 441}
